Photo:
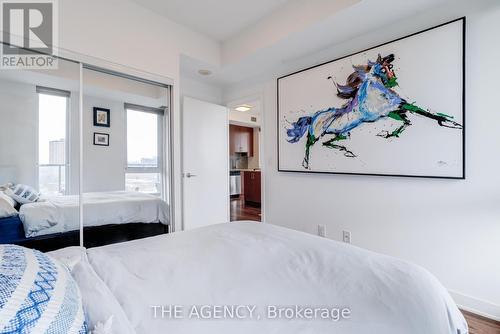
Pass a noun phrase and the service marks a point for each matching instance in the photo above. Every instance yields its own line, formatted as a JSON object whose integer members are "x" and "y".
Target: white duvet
{"x": 61, "y": 213}
{"x": 262, "y": 266}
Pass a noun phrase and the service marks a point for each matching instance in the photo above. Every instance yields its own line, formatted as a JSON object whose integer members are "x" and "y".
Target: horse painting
{"x": 370, "y": 97}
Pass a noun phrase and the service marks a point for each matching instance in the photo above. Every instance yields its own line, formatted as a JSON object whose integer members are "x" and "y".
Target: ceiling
{"x": 218, "y": 19}
{"x": 315, "y": 38}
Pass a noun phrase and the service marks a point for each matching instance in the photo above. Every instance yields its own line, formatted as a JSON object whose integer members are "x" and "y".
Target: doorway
{"x": 245, "y": 160}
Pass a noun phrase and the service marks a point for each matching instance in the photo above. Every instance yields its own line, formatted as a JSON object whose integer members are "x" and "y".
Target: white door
{"x": 205, "y": 133}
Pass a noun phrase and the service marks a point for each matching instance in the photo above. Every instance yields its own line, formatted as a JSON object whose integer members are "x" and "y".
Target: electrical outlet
{"x": 322, "y": 231}
{"x": 346, "y": 237}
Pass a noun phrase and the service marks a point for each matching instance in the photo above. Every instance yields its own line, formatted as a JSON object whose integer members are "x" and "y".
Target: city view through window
{"x": 52, "y": 144}
{"x": 143, "y": 153}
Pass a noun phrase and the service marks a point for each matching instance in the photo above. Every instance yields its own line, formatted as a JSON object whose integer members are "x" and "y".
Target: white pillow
{"x": 103, "y": 312}
{"x": 8, "y": 198}
{"x": 70, "y": 256}
{"x": 104, "y": 315}
{"x": 7, "y": 206}
{"x": 23, "y": 194}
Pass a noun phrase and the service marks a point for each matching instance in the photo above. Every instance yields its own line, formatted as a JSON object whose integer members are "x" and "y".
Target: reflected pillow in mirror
{"x": 23, "y": 194}
{"x": 7, "y": 206}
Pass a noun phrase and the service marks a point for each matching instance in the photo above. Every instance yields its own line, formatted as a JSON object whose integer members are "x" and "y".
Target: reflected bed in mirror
{"x": 60, "y": 213}
{"x": 53, "y": 222}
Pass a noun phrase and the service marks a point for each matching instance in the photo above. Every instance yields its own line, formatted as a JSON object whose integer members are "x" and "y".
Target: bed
{"x": 259, "y": 265}
{"x": 109, "y": 217}
{"x": 61, "y": 213}
{"x": 11, "y": 230}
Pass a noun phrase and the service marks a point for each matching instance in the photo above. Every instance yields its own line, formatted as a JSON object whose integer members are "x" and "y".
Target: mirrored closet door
{"x": 39, "y": 157}
{"x": 125, "y": 157}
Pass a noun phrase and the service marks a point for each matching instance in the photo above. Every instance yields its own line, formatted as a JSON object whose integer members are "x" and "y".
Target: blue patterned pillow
{"x": 37, "y": 294}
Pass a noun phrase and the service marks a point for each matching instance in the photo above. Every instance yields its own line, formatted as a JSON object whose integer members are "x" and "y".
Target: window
{"x": 144, "y": 150}
{"x": 53, "y": 120}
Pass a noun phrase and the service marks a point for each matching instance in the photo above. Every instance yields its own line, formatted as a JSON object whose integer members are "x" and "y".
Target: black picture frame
{"x": 463, "y": 98}
{"x": 98, "y": 113}
{"x": 97, "y": 142}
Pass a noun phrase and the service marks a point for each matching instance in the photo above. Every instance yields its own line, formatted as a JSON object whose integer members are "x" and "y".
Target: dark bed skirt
{"x": 94, "y": 236}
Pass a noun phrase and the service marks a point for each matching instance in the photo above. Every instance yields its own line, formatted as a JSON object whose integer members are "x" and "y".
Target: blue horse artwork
{"x": 370, "y": 97}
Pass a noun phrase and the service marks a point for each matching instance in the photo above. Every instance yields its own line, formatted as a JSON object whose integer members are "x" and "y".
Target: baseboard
{"x": 476, "y": 306}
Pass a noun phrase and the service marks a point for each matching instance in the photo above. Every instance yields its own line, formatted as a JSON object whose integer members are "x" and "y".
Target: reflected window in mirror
{"x": 53, "y": 138}
{"x": 144, "y": 150}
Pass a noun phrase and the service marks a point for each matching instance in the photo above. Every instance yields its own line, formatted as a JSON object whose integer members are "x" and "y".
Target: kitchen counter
{"x": 245, "y": 170}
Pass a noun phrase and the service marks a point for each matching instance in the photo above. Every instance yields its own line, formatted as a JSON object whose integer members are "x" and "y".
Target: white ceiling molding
{"x": 217, "y": 19}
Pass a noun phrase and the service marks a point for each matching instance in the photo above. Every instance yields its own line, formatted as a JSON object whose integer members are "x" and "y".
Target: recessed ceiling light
{"x": 204, "y": 72}
{"x": 243, "y": 107}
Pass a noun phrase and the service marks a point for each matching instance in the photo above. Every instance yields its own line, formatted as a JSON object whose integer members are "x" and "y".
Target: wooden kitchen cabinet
{"x": 240, "y": 140}
{"x": 251, "y": 181}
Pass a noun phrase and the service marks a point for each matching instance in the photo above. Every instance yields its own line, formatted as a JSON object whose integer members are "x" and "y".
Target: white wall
{"x": 18, "y": 132}
{"x": 103, "y": 166}
{"x": 450, "y": 227}
{"x": 128, "y": 34}
{"x": 197, "y": 89}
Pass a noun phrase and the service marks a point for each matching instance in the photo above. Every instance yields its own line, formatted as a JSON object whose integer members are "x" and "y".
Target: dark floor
{"x": 240, "y": 211}
{"x": 480, "y": 325}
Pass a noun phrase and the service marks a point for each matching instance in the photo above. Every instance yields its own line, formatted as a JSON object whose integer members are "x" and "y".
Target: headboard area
{"x": 7, "y": 174}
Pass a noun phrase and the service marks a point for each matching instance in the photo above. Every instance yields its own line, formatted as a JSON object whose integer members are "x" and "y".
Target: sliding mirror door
{"x": 39, "y": 157}
{"x": 126, "y": 182}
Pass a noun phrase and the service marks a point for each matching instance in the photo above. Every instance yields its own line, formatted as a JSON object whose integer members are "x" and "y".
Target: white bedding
{"x": 60, "y": 214}
{"x": 263, "y": 265}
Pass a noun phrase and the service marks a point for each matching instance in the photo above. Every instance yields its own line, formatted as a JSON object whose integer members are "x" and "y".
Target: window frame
{"x": 42, "y": 90}
{"x": 161, "y": 154}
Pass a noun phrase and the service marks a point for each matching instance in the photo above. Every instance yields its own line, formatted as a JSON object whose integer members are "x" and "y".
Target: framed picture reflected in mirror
{"x": 101, "y": 139}
{"x": 102, "y": 117}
